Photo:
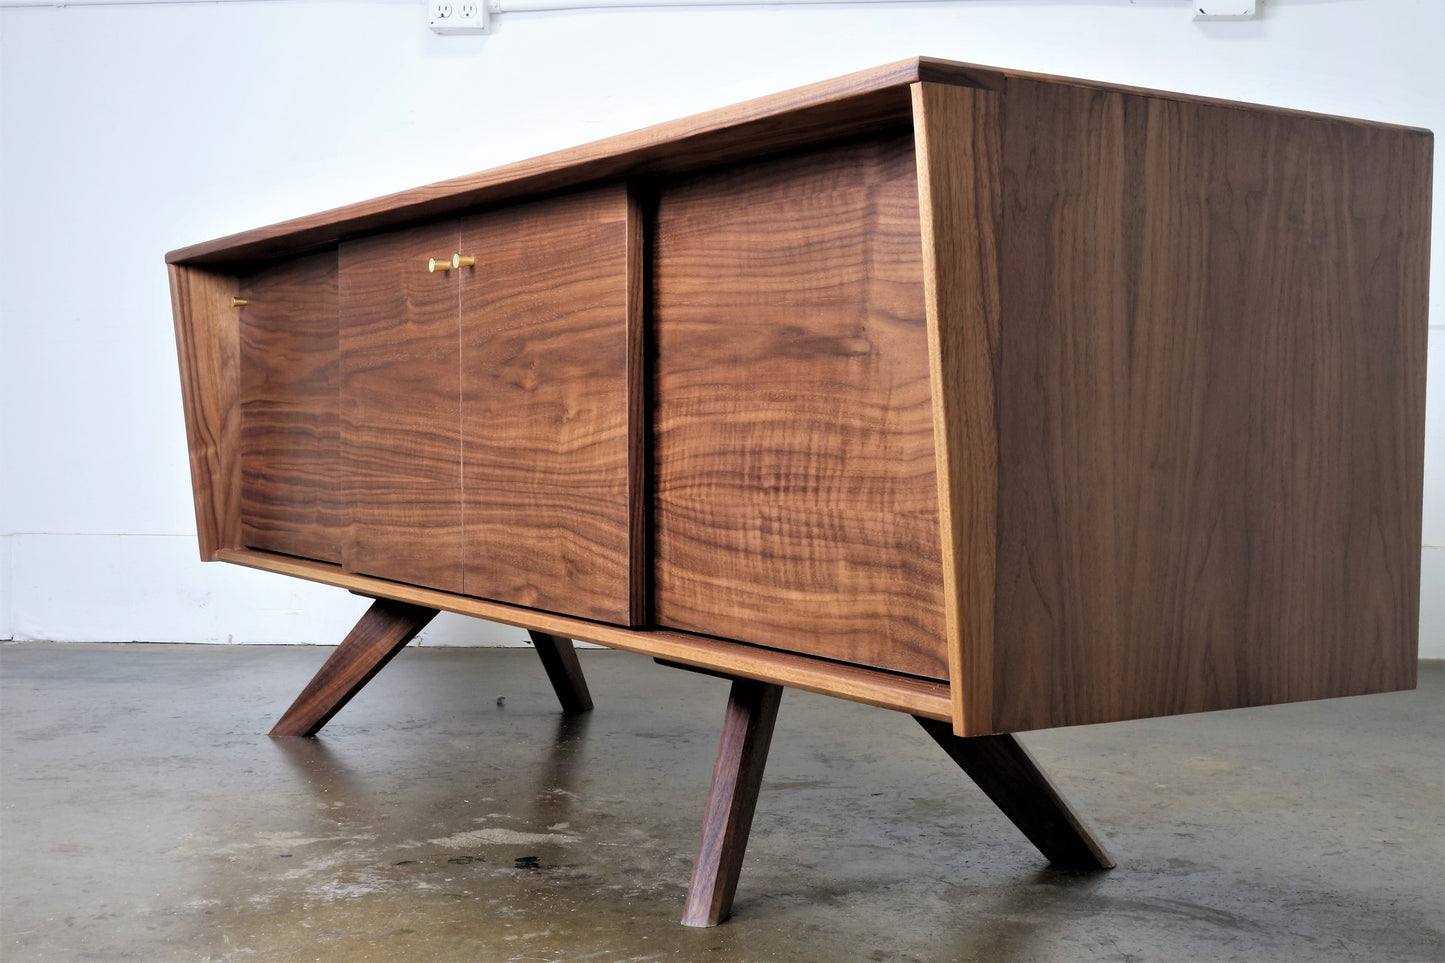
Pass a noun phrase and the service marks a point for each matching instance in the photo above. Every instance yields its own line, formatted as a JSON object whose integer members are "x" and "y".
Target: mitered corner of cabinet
{"x": 957, "y": 146}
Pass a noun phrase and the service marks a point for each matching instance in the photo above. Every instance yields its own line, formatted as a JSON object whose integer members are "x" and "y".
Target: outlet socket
{"x": 459, "y": 16}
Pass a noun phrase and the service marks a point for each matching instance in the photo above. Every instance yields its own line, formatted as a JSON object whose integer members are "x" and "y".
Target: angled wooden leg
{"x": 737, "y": 776}
{"x": 382, "y": 632}
{"x": 559, "y": 658}
{"x": 1010, "y": 776}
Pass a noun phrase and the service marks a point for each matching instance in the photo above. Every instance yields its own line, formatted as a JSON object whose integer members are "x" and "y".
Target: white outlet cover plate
{"x": 1224, "y": 9}
{"x": 452, "y": 17}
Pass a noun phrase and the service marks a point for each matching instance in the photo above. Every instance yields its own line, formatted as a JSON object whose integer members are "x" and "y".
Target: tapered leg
{"x": 382, "y": 632}
{"x": 559, "y": 658}
{"x": 743, "y": 752}
{"x": 1012, "y": 778}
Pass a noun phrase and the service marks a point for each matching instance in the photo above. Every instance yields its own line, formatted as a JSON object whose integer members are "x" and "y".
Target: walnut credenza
{"x": 1003, "y": 400}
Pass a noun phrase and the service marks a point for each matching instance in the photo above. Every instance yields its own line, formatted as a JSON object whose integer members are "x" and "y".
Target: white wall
{"x": 127, "y": 131}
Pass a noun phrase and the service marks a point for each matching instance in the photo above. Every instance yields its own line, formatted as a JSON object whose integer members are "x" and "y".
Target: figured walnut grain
{"x": 795, "y": 499}
{"x": 290, "y": 418}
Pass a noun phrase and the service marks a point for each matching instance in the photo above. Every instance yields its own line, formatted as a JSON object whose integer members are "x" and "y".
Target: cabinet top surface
{"x": 858, "y": 103}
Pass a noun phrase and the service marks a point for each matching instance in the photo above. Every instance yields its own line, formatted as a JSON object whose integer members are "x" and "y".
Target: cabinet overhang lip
{"x": 634, "y": 153}
{"x": 633, "y": 150}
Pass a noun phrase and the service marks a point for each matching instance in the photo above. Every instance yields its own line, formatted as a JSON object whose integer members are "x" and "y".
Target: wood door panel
{"x": 289, "y": 397}
{"x": 546, "y": 401}
{"x": 1209, "y": 407}
{"x": 795, "y": 493}
{"x": 400, "y": 408}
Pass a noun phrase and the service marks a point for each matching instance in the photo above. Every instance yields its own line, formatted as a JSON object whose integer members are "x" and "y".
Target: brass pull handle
{"x": 455, "y": 262}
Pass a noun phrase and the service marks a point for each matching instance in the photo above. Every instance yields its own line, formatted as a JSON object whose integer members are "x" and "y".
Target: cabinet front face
{"x": 547, "y": 505}
{"x": 288, "y": 402}
{"x": 400, "y": 409}
{"x": 796, "y": 503}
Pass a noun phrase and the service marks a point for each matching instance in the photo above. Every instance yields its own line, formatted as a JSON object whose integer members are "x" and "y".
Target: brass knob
{"x": 435, "y": 264}
{"x": 239, "y": 302}
{"x": 463, "y": 260}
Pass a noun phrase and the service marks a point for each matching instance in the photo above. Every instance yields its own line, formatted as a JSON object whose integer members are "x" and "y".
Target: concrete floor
{"x": 450, "y": 813}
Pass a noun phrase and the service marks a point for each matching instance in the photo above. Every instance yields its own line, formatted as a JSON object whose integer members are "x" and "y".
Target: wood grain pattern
{"x": 289, "y": 399}
{"x": 546, "y": 399}
{"x": 207, "y": 346}
{"x": 844, "y": 107}
{"x": 742, "y": 754}
{"x": 400, "y": 408}
{"x": 1010, "y": 776}
{"x": 885, "y": 690}
{"x": 795, "y": 499}
{"x": 1211, "y": 406}
{"x": 383, "y": 631}
{"x": 564, "y": 671}
{"x": 957, "y": 140}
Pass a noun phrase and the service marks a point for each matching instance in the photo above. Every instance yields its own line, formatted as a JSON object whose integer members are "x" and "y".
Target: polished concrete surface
{"x": 451, "y": 813}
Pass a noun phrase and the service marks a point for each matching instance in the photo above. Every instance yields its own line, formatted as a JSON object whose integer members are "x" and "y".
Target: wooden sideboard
{"x": 1003, "y": 400}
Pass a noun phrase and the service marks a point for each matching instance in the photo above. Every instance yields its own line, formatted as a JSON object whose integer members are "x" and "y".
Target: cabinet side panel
{"x": 207, "y": 347}
{"x": 545, "y": 402}
{"x": 290, "y": 459}
{"x": 796, "y": 504}
{"x": 1210, "y": 404}
{"x": 957, "y": 136}
{"x": 400, "y": 409}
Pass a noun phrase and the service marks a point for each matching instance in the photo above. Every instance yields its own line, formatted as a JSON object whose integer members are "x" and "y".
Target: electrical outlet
{"x": 459, "y": 16}
{"x": 1224, "y": 9}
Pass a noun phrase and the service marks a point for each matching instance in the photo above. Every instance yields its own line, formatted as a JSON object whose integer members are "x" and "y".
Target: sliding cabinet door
{"x": 551, "y": 514}
{"x": 288, "y": 400}
{"x": 400, "y": 409}
{"x": 796, "y": 503}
